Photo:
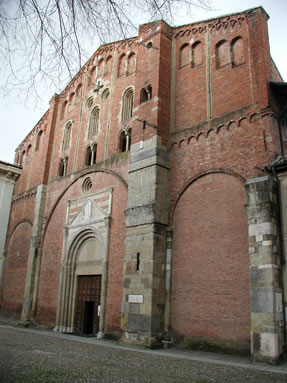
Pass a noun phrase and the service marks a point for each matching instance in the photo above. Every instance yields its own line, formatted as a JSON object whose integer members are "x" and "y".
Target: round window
{"x": 87, "y": 185}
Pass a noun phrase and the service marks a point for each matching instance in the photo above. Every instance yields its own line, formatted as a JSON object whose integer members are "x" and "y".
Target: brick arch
{"x": 210, "y": 266}
{"x": 195, "y": 178}
{"x": 184, "y": 55}
{"x": 237, "y": 51}
{"x": 15, "y": 227}
{"x": 222, "y": 54}
{"x": 16, "y": 268}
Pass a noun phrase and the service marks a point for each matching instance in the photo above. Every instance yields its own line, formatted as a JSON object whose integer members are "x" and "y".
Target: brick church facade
{"x": 148, "y": 205}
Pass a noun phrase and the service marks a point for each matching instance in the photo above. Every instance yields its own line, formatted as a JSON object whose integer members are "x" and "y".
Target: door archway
{"x": 83, "y": 277}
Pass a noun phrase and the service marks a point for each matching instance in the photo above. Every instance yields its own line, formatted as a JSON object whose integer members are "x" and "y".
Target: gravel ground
{"x": 28, "y": 357}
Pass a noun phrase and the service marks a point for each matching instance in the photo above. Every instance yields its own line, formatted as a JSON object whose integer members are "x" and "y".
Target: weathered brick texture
{"x": 210, "y": 290}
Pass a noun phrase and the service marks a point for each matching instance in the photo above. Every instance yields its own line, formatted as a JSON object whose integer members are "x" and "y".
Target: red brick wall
{"x": 240, "y": 81}
{"x": 190, "y": 85}
{"x": 260, "y": 56}
{"x": 231, "y": 86}
{"x": 15, "y": 270}
{"x": 210, "y": 267}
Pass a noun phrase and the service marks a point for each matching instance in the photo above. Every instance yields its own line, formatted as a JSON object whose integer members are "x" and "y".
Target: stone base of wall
{"x": 142, "y": 339}
{"x": 215, "y": 345}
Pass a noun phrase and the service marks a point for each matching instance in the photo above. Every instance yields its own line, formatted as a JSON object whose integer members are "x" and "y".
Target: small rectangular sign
{"x": 135, "y": 299}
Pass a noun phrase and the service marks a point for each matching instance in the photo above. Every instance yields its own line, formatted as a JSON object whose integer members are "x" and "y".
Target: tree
{"x": 45, "y": 41}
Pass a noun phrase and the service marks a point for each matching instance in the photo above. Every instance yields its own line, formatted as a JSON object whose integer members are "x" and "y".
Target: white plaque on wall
{"x": 135, "y": 298}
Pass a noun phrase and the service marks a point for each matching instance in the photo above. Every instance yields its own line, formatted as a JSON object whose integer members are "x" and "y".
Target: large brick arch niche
{"x": 15, "y": 270}
{"x": 210, "y": 269}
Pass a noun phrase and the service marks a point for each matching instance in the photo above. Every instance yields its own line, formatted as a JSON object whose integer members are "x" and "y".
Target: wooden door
{"x": 88, "y": 304}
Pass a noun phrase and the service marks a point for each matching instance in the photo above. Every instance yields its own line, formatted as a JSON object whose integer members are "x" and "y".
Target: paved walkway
{"x": 198, "y": 356}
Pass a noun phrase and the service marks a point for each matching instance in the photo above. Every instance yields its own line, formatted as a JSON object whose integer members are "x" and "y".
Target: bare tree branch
{"x": 43, "y": 43}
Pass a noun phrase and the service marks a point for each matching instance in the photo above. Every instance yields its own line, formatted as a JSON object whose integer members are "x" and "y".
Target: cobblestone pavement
{"x": 28, "y": 356}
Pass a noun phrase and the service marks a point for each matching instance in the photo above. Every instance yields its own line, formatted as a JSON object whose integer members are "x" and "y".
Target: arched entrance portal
{"x": 83, "y": 278}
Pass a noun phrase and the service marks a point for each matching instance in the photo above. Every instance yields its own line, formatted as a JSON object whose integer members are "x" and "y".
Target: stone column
{"x": 62, "y": 280}
{"x": 146, "y": 225}
{"x": 104, "y": 279}
{"x": 33, "y": 264}
{"x": 265, "y": 285}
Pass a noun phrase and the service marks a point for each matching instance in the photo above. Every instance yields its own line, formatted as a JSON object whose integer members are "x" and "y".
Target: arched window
{"x": 108, "y": 65}
{"x": 94, "y": 122}
{"x": 125, "y": 140}
{"x": 222, "y": 54}
{"x": 91, "y": 155}
{"x": 131, "y": 63}
{"x": 23, "y": 157}
{"x": 105, "y": 94}
{"x": 122, "y": 65}
{"x": 237, "y": 51}
{"x": 64, "y": 109}
{"x": 129, "y": 138}
{"x": 91, "y": 76}
{"x": 146, "y": 94}
{"x": 67, "y": 136}
{"x": 29, "y": 148}
{"x": 63, "y": 167}
{"x": 127, "y": 104}
{"x": 72, "y": 100}
{"x": 149, "y": 91}
{"x": 196, "y": 52}
{"x": 78, "y": 93}
{"x": 89, "y": 102}
{"x": 39, "y": 139}
{"x": 184, "y": 58}
{"x": 100, "y": 68}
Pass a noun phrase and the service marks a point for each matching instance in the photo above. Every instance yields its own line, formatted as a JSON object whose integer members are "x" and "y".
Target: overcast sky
{"x": 17, "y": 120}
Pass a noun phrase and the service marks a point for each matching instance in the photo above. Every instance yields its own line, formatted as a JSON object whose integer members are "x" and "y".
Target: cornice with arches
{"x": 192, "y": 134}
{"x": 213, "y": 26}
{"x": 26, "y": 195}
